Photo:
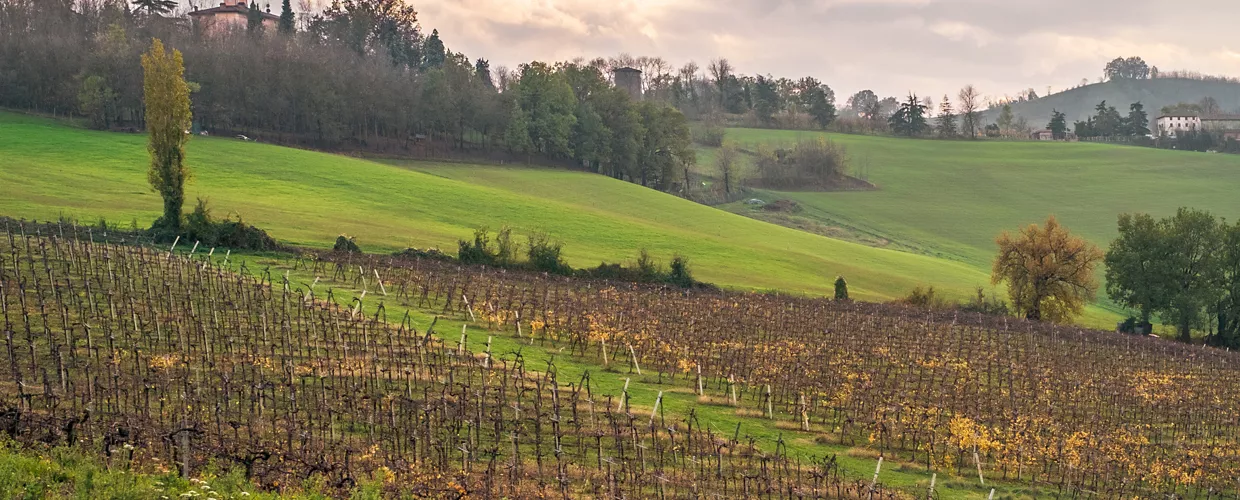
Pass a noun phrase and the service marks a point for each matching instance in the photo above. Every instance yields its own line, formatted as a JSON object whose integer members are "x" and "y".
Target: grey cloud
{"x": 892, "y": 46}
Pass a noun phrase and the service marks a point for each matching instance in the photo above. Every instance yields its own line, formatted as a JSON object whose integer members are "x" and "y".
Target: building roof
{"x": 227, "y": 9}
{"x": 1227, "y": 117}
{"x": 626, "y": 69}
{"x": 1180, "y": 115}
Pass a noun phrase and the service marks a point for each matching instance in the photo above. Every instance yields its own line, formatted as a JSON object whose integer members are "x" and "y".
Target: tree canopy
{"x": 1132, "y": 68}
{"x": 1049, "y": 272}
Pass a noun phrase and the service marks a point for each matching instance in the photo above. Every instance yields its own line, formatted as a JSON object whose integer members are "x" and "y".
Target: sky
{"x": 930, "y": 47}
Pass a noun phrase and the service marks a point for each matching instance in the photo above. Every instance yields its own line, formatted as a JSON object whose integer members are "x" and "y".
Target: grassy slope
{"x": 1154, "y": 94}
{"x": 308, "y": 198}
{"x": 951, "y": 199}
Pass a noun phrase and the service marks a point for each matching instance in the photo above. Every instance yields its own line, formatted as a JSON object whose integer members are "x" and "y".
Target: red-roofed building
{"x": 229, "y": 15}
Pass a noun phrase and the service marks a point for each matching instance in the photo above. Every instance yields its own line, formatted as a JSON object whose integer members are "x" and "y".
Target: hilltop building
{"x": 230, "y": 15}
{"x": 629, "y": 79}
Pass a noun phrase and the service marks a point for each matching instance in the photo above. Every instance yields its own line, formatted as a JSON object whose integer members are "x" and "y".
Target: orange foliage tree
{"x": 1049, "y": 272}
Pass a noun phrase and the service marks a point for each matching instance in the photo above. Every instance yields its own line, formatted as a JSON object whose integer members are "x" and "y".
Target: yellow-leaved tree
{"x": 1049, "y": 272}
{"x": 166, "y": 96}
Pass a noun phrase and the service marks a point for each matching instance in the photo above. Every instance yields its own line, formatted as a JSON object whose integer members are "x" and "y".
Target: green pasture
{"x": 950, "y": 199}
{"x": 308, "y": 198}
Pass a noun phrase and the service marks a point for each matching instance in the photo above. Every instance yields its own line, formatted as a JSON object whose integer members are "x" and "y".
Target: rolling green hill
{"x": 934, "y": 219}
{"x": 949, "y": 199}
{"x": 1079, "y": 103}
{"x": 309, "y": 198}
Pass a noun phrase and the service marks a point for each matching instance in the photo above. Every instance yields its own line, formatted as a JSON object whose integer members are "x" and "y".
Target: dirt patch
{"x": 808, "y": 225}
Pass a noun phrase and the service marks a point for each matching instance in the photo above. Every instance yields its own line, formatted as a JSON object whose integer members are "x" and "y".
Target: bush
{"x": 345, "y": 244}
{"x": 841, "y": 288}
{"x": 478, "y": 251}
{"x": 201, "y": 227}
{"x": 680, "y": 274}
{"x": 980, "y": 303}
{"x": 544, "y": 255}
{"x": 710, "y": 135}
{"x": 648, "y": 270}
{"x": 418, "y": 253}
{"x": 506, "y": 250}
{"x": 811, "y": 162}
{"x": 926, "y": 298}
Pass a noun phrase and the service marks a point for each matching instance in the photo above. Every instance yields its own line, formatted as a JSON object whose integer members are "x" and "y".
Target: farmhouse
{"x": 1226, "y": 124}
{"x": 1220, "y": 123}
{"x": 231, "y": 14}
{"x": 1170, "y": 124}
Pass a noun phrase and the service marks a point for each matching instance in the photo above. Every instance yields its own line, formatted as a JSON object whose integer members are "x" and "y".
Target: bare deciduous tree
{"x": 969, "y": 113}
{"x": 726, "y": 162}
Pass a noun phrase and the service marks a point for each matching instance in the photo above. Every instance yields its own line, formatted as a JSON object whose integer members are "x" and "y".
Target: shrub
{"x": 811, "y": 162}
{"x": 926, "y": 298}
{"x": 986, "y": 305}
{"x": 238, "y": 234}
{"x": 544, "y": 255}
{"x": 710, "y": 135}
{"x": 680, "y": 274}
{"x": 198, "y": 225}
{"x": 201, "y": 227}
{"x": 841, "y": 288}
{"x": 506, "y": 250}
{"x": 478, "y": 251}
{"x": 346, "y": 244}
{"x": 644, "y": 270}
{"x": 647, "y": 269}
{"x": 418, "y": 253}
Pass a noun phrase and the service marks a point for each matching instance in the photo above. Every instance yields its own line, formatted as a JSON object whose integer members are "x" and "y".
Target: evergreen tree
{"x": 819, "y": 106}
{"x": 287, "y": 19}
{"x": 253, "y": 18}
{"x": 765, "y": 99}
{"x": 1058, "y": 125}
{"x": 1138, "y": 123}
{"x": 910, "y": 118}
{"x": 155, "y": 7}
{"x": 482, "y": 71}
{"x": 947, "y": 119}
{"x": 435, "y": 53}
{"x": 841, "y": 288}
{"x": 1107, "y": 121}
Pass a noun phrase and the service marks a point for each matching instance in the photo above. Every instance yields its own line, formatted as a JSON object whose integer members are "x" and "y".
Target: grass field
{"x": 951, "y": 199}
{"x": 309, "y": 198}
{"x": 940, "y": 203}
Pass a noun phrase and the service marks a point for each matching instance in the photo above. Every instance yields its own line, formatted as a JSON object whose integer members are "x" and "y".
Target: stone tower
{"x": 630, "y": 80}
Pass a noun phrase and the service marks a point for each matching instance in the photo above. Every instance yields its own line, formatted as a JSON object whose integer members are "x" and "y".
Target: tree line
{"x": 1183, "y": 270}
{"x": 1108, "y": 122}
{"x": 358, "y": 75}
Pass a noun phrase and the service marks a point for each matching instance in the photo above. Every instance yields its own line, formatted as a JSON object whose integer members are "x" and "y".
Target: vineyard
{"x": 172, "y": 359}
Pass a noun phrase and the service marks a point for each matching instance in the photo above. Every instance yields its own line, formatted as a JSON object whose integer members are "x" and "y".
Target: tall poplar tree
{"x": 166, "y": 96}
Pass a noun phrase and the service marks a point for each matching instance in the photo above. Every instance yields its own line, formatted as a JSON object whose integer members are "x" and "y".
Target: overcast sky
{"x": 891, "y": 46}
